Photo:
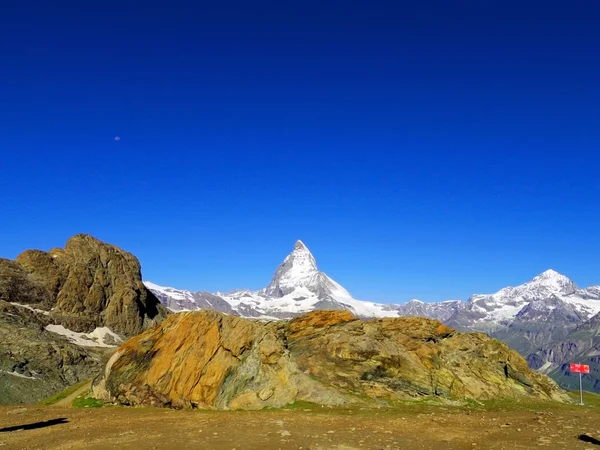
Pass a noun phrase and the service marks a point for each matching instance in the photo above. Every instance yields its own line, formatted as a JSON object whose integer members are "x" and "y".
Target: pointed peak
{"x": 549, "y": 275}
{"x": 299, "y": 245}
{"x": 553, "y": 280}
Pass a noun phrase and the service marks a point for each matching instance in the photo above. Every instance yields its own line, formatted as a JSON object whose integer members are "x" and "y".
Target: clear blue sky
{"x": 419, "y": 149}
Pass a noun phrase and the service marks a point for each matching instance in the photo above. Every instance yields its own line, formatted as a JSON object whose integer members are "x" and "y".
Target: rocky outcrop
{"x": 89, "y": 284}
{"x": 18, "y": 286}
{"x": 210, "y": 360}
{"x": 34, "y": 363}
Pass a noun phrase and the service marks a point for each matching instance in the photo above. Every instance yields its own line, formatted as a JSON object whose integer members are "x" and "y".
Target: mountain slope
{"x": 297, "y": 287}
{"x": 581, "y": 345}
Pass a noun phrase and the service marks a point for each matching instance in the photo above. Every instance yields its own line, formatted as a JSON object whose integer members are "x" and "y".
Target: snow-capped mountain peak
{"x": 299, "y": 269}
{"x": 299, "y": 245}
{"x": 553, "y": 280}
{"x": 415, "y": 301}
{"x": 500, "y": 308}
{"x": 296, "y": 288}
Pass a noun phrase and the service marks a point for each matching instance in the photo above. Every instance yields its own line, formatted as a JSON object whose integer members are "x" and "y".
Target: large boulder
{"x": 93, "y": 284}
{"x": 211, "y": 360}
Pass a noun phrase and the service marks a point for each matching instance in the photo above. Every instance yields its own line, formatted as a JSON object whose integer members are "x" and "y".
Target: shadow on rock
{"x": 35, "y": 425}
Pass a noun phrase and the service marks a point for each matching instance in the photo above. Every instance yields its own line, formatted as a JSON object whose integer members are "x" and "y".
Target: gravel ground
{"x": 309, "y": 428}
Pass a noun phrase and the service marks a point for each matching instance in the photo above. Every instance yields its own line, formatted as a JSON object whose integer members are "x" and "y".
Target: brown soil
{"x": 305, "y": 428}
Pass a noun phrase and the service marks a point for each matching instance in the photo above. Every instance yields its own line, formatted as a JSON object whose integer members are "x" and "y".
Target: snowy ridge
{"x": 503, "y": 306}
{"x": 298, "y": 287}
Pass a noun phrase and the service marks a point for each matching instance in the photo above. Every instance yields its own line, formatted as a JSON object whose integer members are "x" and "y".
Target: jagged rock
{"x": 211, "y": 360}
{"x": 93, "y": 284}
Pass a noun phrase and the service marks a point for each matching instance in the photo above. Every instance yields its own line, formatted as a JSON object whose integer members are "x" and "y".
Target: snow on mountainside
{"x": 493, "y": 311}
{"x": 441, "y": 311}
{"x": 296, "y": 288}
{"x": 181, "y": 300}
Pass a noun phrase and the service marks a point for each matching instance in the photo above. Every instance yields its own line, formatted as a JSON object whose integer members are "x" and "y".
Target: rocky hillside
{"x": 60, "y": 310}
{"x": 35, "y": 363}
{"x": 87, "y": 284}
{"x": 581, "y": 345}
{"x": 211, "y": 360}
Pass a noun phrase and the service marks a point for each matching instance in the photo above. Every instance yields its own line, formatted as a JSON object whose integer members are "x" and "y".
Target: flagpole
{"x": 580, "y": 390}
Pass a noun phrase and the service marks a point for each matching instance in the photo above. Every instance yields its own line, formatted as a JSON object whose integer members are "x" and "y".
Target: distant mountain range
{"x": 548, "y": 319}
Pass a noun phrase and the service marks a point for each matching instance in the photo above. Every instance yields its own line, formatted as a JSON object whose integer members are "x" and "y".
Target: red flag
{"x": 580, "y": 368}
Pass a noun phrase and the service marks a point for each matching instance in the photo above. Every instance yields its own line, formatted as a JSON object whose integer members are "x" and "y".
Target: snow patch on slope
{"x": 40, "y": 311}
{"x": 100, "y": 337}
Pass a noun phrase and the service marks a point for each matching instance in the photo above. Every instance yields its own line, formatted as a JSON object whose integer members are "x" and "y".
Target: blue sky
{"x": 427, "y": 150}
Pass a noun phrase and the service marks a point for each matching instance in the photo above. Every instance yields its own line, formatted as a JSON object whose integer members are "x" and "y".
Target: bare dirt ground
{"x": 419, "y": 427}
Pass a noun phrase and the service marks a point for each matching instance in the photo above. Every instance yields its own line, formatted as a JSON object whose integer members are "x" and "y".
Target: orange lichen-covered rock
{"x": 211, "y": 360}
{"x": 318, "y": 319}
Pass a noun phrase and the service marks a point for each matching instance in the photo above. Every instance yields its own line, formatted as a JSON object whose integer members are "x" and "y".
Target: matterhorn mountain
{"x": 297, "y": 287}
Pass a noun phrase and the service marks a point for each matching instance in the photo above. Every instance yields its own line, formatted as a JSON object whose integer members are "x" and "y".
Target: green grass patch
{"x": 63, "y": 394}
{"x": 300, "y": 404}
{"x": 589, "y": 398}
{"x": 87, "y": 402}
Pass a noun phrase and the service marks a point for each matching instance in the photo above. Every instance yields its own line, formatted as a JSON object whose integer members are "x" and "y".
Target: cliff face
{"x": 87, "y": 284}
{"x": 92, "y": 284}
{"x": 211, "y": 360}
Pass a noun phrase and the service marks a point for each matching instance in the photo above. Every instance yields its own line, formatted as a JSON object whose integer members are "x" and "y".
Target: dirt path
{"x": 67, "y": 401}
{"x": 316, "y": 428}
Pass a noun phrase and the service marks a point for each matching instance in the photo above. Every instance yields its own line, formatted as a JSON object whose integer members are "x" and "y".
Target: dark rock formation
{"x": 92, "y": 284}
